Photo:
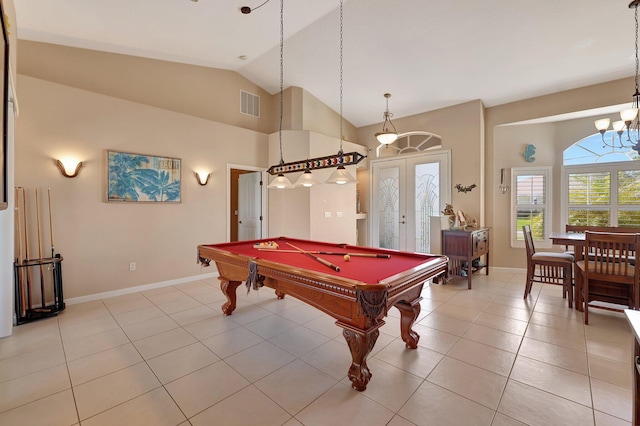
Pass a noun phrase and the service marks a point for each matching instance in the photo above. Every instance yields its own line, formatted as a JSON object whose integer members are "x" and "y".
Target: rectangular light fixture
{"x": 336, "y": 160}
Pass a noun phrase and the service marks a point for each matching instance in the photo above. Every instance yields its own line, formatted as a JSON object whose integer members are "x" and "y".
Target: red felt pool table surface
{"x": 368, "y": 270}
{"x": 358, "y": 296}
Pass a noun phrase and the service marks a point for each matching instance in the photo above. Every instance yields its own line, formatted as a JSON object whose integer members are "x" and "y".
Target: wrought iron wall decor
{"x": 465, "y": 189}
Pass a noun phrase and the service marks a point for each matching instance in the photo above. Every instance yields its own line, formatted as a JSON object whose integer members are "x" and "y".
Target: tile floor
{"x": 168, "y": 357}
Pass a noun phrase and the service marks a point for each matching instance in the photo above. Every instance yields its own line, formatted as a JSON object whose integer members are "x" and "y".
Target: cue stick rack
{"x": 37, "y": 279}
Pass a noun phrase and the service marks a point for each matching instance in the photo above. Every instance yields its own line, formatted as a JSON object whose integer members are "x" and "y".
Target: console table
{"x": 464, "y": 247}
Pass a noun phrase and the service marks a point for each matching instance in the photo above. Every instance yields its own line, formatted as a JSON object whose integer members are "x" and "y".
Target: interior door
{"x": 405, "y": 193}
{"x": 249, "y": 206}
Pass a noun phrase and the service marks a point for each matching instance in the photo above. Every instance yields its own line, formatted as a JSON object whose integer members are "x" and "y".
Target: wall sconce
{"x": 69, "y": 165}
{"x": 202, "y": 177}
{"x": 503, "y": 188}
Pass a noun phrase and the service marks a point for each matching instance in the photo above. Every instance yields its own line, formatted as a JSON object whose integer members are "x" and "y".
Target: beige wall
{"x": 319, "y": 118}
{"x": 80, "y": 103}
{"x": 98, "y": 240}
{"x": 460, "y": 127}
{"x": 300, "y": 212}
{"x": 185, "y": 111}
{"x": 289, "y": 209}
{"x": 339, "y": 201}
{"x": 208, "y": 93}
{"x": 510, "y": 142}
{"x": 550, "y": 140}
{"x": 505, "y": 147}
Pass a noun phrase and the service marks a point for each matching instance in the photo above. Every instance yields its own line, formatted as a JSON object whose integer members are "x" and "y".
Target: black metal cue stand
{"x": 49, "y": 303}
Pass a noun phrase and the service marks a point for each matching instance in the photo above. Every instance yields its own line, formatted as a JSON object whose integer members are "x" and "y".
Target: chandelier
{"x": 386, "y": 136}
{"x": 281, "y": 181}
{"x": 340, "y": 176}
{"x": 629, "y": 119}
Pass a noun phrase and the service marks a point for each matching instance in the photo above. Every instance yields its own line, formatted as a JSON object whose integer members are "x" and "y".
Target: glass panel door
{"x": 426, "y": 202}
{"x": 405, "y": 193}
{"x": 387, "y": 204}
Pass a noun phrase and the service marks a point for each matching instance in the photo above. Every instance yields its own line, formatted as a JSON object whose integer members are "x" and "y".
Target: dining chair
{"x": 609, "y": 274}
{"x": 548, "y": 268}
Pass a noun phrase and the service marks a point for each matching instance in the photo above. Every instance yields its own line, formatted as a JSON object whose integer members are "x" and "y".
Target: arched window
{"x": 601, "y": 183}
{"x": 410, "y": 143}
{"x": 592, "y": 150}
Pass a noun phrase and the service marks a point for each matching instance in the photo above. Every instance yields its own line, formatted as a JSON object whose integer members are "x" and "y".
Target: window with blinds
{"x": 530, "y": 204}
{"x": 603, "y": 197}
{"x": 629, "y": 198}
{"x": 601, "y": 184}
{"x": 589, "y": 198}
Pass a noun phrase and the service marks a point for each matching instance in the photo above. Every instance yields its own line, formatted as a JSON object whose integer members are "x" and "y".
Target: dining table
{"x": 575, "y": 239}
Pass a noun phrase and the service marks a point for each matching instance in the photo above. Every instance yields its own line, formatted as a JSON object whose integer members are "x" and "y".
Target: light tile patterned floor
{"x": 168, "y": 357}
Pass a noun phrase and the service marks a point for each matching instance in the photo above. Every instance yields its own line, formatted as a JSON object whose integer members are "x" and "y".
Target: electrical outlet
{"x": 132, "y": 266}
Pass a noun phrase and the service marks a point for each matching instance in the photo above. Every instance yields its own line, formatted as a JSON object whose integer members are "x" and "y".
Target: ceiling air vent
{"x": 250, "y": 104}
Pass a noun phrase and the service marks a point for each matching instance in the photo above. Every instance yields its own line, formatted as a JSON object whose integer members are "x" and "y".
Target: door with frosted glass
{"x": 406, "y": 193}
{"x": 387, "y": 212}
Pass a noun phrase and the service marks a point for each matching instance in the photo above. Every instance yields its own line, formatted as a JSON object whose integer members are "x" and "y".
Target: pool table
{"x": 356, "y": 292}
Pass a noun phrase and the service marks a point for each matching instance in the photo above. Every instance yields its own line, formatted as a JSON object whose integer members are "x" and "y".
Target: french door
{"x": 406, "y": 192}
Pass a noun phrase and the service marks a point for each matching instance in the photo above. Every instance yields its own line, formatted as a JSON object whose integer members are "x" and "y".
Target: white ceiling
{"x": 427, "y": 53}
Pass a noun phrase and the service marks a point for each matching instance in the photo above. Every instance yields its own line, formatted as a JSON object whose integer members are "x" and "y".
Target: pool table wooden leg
{"x": 360, "y": 345}
{"x": 408, "y": 314}
{"x": 229, "y": 290}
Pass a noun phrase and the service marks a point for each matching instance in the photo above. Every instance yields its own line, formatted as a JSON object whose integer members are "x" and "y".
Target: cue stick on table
{"x": 313, "y": 256}
{"x": 380, "y": 256}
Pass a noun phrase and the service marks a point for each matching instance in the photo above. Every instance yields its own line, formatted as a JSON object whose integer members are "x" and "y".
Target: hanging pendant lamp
{"x": 281, "y": 181}
{"x": 340, "y": 175}
{"x": 306, "y": 179}
{"x": 629, "y": 118}
{"x": 386, "y": 136}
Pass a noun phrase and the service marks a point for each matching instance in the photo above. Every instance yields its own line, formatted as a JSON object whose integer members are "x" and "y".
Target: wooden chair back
{"x": 611, "y": 273}
{"x": 612, "y": 257}
{"x": 548, "y": 268}
{"x": 528, "y": 242}
{"x": 610, "y": 229}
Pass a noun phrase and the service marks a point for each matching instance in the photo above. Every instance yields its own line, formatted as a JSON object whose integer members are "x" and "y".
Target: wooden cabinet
{"x": 465, "y": 249}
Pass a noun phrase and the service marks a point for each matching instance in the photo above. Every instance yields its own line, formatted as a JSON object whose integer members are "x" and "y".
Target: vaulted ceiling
{"x": 428, "y": 54}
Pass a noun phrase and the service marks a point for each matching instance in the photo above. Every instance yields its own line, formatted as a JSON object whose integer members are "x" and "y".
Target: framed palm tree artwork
{"x": 143, "y": 178}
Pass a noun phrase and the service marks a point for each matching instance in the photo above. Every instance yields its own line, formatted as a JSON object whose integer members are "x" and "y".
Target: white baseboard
{"x": 107, "y": 294}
